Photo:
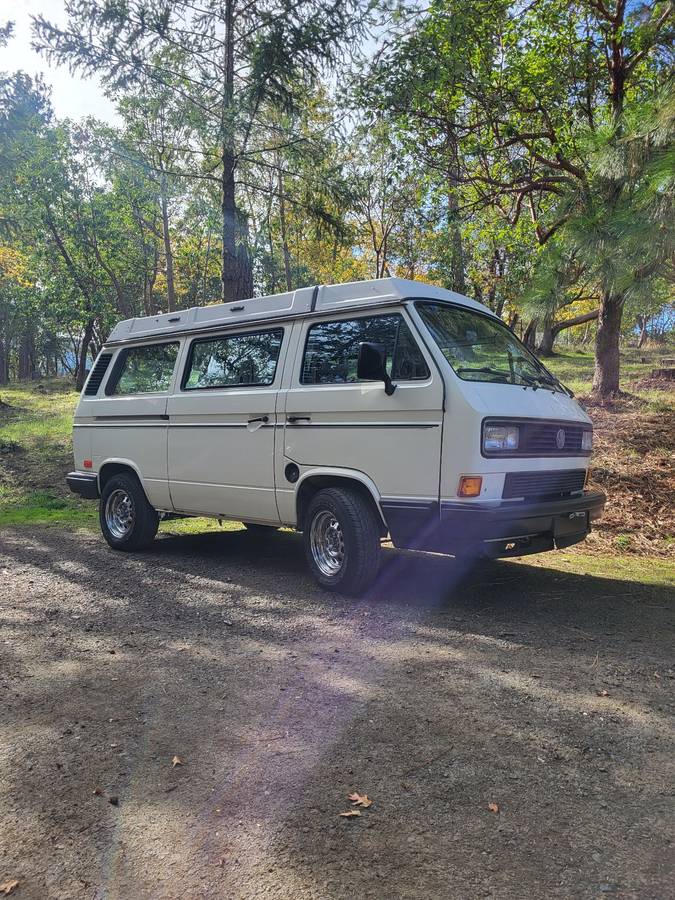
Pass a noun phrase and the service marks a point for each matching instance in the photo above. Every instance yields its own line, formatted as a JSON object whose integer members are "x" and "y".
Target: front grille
{"x": 537, "y": 438}
{"x": 543, "y": 485}
{"x": 542, "y": 438}
{"x": 97, "y": 373}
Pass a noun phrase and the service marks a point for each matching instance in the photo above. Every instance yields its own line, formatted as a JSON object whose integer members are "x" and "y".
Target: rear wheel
{"x": 127, "y": 520}
{"x": 342, "y": 540}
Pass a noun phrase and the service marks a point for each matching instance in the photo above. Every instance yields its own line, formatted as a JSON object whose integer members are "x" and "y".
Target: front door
{"x": 222, "y": 420}
{"x": 333, "y": 420}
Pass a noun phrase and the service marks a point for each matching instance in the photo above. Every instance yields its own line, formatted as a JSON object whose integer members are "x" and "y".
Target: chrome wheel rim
{"x": 120, "y": 514}
{"x": 327, "y": 543}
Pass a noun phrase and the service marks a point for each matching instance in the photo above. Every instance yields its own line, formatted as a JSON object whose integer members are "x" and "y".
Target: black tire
{"x": 259, "y": 530}
{"x": 143, "y": 520}
{"x": 353, "y": 568}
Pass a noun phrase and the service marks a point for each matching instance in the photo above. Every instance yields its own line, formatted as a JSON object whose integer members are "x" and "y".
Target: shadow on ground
{"x": 442, "y": 691}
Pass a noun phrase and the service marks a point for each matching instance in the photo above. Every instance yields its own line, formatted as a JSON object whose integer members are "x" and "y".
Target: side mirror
{"x": 372, "y": 365}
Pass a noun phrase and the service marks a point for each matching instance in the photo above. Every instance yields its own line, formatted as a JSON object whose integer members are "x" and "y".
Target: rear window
{"x": 144, "y": 370}
{"x": 238, "y": 360}
{"x": 332, "y": 350}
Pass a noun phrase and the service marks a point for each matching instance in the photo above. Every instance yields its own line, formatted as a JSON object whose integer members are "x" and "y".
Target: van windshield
{"x": 480, "y": 348}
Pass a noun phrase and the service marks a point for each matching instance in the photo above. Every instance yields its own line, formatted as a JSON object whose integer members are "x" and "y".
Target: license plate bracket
{"x": 570, "y": 523}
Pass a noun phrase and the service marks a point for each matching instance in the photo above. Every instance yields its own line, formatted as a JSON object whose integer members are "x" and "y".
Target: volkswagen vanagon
{"x": 350, "y": 412}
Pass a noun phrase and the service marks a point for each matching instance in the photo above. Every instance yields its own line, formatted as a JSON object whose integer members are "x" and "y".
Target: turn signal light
{"x": 470, "y": 485}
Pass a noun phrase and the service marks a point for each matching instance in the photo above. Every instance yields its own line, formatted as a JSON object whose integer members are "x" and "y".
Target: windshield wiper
{"x": 507, "y": 377}
{"x": 533, "y": 381}
{"x": 488, "y": 370}
{"x": 551, "y": 380}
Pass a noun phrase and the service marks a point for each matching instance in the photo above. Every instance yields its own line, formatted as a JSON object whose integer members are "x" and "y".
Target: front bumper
{"x": 511, "y": 529}
{"x": 83, "y": 484}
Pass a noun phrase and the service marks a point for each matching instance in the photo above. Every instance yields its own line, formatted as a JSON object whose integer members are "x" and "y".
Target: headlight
{"x": 500, "y": 437}
{"x": 587, "y": 440}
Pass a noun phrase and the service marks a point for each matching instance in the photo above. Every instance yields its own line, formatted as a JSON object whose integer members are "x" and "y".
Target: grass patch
{"x": 197, "y": 525}
{"x": 37, "y": 508}
{"x": 646, "y": 570}
{"x": 575, "y": 369}
{"x": 35, "y": 444}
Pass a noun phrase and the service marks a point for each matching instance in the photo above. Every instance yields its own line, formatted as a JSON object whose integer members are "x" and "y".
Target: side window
{"x": 332, "y": 349}
{"x": 240, "y": 359}
{"x": 141, "y": 370}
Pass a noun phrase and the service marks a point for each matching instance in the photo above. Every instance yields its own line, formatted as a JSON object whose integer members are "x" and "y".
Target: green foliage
{"x": 542, "y": 114}
{"x": 522, "y": 154}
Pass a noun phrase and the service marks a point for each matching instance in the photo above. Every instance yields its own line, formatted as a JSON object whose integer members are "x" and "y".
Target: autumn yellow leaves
{"x": 359, "y": 802}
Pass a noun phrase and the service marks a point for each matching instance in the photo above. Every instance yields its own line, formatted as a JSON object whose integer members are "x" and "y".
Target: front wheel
{"x": 342, "y": 540}
{"x": 127, "y": 520}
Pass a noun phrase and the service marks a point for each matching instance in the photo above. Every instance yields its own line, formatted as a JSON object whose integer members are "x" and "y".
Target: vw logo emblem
{"x": 560, "y": 438}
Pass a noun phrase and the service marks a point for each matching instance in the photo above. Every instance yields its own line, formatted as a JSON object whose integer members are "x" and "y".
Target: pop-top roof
{"x": 319, "y": 299}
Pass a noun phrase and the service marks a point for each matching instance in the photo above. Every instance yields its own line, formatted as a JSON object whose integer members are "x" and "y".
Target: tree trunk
{"x": 230, "y": 274}
{"x": 4, "y": 362}
{"x": 606, "y": 375}
{"x": 545, "y": 347}
{"x": 530, "y": 334}
{"x": 550, "y": 331}
{"x": 548, "y": 336}
{"x": 457, "y": 257}
{"x": 455, "y": 235}
{"x": 168, "y": 251}
{"x": 282, "y": 225}
{"x": 81, "y": 371}
{"x": 206, "y": 265}
{"x": 26, "y": 353}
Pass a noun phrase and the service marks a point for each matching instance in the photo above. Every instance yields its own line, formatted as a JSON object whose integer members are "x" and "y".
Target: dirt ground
{"x": 546, "y": 693}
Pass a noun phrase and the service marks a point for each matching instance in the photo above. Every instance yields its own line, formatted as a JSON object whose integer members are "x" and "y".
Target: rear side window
{"x": 332, "y": 349}
{"x": 232, "y": 361}
{"x": 143, "y": 370}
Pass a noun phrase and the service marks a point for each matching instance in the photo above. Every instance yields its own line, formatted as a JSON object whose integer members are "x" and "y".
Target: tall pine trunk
{"x": 282, "y": 225}
{"x": 229, "y": 262}
{"x": 606, "y": 375}
{"x": 457, "y": 252}
{"x": 457, "y": 258}
{"x": 233, "y": 264}
{"x": 168, "y": 250}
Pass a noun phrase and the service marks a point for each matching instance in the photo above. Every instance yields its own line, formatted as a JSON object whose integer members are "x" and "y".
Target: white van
{"x": 349, "y": 412}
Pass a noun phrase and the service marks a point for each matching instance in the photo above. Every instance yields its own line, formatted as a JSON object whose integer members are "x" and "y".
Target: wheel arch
{"x": 113, "y": 467}
{"x": 315, "y": 480}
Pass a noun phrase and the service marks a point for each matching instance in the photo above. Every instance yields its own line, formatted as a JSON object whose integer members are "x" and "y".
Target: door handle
{"x": 293, "y": 419}
{"x": 259, "y": 419}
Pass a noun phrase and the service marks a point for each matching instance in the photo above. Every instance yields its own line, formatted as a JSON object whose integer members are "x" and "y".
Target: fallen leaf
{"x": 350, "y": 814}
{"x": 360, "y": 799}
{"x": 602, "y": 693}
{"x": 7, "y": 887}
{"x": 493, "y": 807}
{"x": 176, "y": 761}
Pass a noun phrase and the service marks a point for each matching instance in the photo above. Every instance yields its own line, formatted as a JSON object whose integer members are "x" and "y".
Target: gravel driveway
{"x": 188, "y": 723}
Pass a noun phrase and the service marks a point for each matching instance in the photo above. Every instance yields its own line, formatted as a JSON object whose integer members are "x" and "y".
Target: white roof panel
{"x": 329, "y": 297}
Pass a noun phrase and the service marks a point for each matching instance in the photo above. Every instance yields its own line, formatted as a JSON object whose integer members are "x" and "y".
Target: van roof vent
{"x": 97, "y": 373}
